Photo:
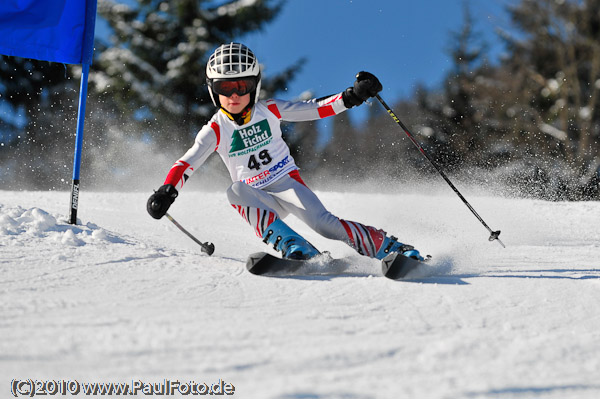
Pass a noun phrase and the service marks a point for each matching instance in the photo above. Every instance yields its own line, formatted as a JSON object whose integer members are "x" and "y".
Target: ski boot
{"x": 291, "y": 244}
{"x": 391, "y": 245}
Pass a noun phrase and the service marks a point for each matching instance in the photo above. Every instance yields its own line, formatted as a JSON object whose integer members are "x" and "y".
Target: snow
{"x": 122, "y": 297}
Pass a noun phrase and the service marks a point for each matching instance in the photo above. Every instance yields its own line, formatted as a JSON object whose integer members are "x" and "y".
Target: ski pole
{"x": 206, "y": 247}
{"x": 494, "y": 235}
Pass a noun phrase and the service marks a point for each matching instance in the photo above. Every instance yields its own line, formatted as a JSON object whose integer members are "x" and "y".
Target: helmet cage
{"x": 229, "y": 63}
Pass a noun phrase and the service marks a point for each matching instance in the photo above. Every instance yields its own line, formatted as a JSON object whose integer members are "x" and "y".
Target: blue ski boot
{"x": 391, "y": 245}
{"x": 291, "y": 244}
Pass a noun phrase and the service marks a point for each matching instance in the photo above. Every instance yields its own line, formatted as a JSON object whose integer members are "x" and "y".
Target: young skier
{"x": 246, "y": 133}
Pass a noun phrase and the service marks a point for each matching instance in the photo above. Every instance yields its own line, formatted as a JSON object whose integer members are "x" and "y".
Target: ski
{"x": 262, "y": 263}
{"x": 396, "y": 266}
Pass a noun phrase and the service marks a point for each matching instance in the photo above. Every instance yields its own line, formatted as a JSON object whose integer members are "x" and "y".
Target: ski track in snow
{"x": 124, "y": 297}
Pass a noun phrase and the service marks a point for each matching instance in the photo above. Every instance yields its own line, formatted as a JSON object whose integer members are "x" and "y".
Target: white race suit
{"x": 267, "y": 184}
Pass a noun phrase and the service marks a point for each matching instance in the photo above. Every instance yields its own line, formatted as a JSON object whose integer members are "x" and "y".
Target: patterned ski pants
{"x": 289, "y": 195}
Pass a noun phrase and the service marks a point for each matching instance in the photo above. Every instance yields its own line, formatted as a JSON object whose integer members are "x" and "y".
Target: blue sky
{"x": 403, "y": 42}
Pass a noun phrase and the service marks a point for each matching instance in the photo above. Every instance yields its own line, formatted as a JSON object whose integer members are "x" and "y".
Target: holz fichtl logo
{"x": 250, "y": 138}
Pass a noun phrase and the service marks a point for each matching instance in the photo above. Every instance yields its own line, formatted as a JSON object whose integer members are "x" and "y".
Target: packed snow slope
{"x": 122, "y": 297}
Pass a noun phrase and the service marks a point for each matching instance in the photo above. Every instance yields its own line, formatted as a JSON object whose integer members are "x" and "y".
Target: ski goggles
{"x": 239, "y": 86}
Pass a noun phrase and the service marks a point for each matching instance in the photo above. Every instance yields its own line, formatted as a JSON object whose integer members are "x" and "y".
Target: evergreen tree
{"x": 302, "y": 139}
{"x": 341, "y": 156}
{"x": 37, "y": 134}
{"x": 147, "y": 88}
{"x": 457, "y": 116}
{"x": 556, "y": 65}
{"x": 154, "y": 71}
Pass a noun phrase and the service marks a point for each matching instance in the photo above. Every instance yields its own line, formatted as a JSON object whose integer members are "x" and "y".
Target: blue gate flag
{"x": 57, "y": 31}
{"x": 49, "y": 30}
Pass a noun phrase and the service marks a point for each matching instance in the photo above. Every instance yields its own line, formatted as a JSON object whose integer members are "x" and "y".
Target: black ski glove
{"x": 158, "y": 204}
{"x": 366, "y": 86}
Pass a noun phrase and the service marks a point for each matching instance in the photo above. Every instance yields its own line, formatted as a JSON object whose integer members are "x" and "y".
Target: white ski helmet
{"x": 232, "y": 62}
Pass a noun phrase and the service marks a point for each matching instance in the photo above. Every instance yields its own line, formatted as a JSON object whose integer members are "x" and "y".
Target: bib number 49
{"x": 263, "y": 158}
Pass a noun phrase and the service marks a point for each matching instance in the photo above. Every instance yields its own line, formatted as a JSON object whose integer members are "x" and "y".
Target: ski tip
{"x": 253, "y": 260}
{"x": 387, "y": 262}
{"x": 396, "y": 266}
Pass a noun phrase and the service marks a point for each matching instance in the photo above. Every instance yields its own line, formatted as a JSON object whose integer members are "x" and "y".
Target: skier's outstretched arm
{"x": 205, "y": 143}
{"x": 366, "y": 86}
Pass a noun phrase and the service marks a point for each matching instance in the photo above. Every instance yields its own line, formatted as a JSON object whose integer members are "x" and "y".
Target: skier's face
{"x": 234, "y": 104}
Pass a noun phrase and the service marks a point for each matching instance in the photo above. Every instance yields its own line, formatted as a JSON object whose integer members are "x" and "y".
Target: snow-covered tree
{"x": 555, "y": 64}
{"x": 458, "y": 115}
{"x": 153, "y": 72}
{"x": 38, "y": 110}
